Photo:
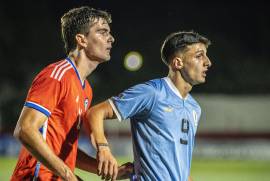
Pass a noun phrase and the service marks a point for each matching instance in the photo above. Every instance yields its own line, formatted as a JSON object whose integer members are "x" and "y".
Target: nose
{"x": 208, "y": 62}
{"x": 111, "y": 39}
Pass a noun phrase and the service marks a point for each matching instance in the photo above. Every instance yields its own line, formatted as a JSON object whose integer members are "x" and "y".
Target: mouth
{"x": 204, "y": 73}
{"x": 108, "y": 50}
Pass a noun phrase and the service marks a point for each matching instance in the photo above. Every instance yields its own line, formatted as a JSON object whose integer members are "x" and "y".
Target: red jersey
{"x": 58, "y": 92}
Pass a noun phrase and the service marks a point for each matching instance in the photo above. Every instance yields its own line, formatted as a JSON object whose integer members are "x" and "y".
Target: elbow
{"x": 21, "y": 132}
{"x": 17, "y": 132}
{"x": 101, "y": 111}
{"x": 91, "y": 114}
{"x": 97, "y": 114}
{"x": 90, "y": 117}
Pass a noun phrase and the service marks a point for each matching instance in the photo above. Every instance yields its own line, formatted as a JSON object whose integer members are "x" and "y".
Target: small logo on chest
{"x": 86, "y": 102}
{"x": 168, "y": 109}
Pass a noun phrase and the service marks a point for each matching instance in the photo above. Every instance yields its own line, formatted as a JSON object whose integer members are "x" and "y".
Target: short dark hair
{"x": 79, "y": 20}
{"x": 179, "y": 41}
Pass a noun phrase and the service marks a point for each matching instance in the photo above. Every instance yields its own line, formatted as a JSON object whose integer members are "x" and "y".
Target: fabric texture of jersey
{"x": 58, "y": 92}
{"x": 163, "y": 127}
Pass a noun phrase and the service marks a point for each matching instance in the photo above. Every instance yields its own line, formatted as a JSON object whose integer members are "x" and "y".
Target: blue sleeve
{"x": 135, "y": 101}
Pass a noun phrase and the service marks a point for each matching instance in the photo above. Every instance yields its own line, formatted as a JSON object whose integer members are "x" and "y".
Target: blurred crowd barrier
{"x": 231, "y": 127}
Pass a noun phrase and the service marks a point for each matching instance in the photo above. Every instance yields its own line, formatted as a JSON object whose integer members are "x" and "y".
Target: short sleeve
{"x": 135, "y": 101}
{"x": 44, "y": 94}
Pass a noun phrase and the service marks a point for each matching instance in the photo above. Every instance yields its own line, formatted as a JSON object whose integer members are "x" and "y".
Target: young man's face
{"x": 99, "y": 41}
{"x": 195, "y": 63}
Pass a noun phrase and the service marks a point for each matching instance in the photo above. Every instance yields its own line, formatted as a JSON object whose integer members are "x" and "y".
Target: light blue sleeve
{"x": 133, "y": 102}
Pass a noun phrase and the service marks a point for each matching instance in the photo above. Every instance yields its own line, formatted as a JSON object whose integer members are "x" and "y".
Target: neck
{"x": 182, "y": 86}
{"x": 84, "y": 65}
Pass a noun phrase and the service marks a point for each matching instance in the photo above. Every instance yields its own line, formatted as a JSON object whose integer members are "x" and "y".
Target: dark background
{"x": 30, "y": 39}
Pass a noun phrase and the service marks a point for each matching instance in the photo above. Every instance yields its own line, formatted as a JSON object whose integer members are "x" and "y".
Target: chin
{"x": 201, "y": 81}
{"x": 107, "y": 58}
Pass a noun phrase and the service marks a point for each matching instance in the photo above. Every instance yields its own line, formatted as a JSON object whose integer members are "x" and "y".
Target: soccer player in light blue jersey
{"x": 163, "y": 115}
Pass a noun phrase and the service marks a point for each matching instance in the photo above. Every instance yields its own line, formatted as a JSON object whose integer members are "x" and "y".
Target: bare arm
{"x": 107, "y": 164}
{"x": 27, "y": 131}
{"x": 189, "y": 178}
{"x": 95, "y": 117}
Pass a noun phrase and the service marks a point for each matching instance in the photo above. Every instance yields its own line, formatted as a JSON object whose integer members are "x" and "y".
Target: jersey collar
{"x": 173, "y": 88}
{"x": 77, "y": 73}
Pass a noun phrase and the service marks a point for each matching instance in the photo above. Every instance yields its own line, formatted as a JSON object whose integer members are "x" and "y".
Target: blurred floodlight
{"x": 133, "y": 61}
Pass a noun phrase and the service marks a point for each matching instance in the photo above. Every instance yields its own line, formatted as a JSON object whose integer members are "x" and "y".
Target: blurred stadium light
{"x": 133, "y": 61}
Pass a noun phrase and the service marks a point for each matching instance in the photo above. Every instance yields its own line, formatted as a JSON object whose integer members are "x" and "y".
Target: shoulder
{"x": 155, "y": 83}
{"x": 157, "y": 86}
{"x": 54, "y": 71}
{"x": 150, "y": 87}
{"x": 60, "y": 70}
{"x": 54, "y": 74}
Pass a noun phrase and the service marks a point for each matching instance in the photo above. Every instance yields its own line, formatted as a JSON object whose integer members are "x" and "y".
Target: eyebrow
{"x": 199, "y": 51}
{"x": 103, "y": 29}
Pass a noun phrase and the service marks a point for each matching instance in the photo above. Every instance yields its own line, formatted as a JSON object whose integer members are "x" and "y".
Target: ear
{"x": 81, "y": 40}
{"x": 177, "y": 63}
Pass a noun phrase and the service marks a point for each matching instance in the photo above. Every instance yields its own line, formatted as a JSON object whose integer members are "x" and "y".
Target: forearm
{"x": 85, "y": 162}
{"x": 98, "y": 133}
{"x": 189, "y": 178}
{"x": 107, "y": 164}
{"x": 96, "y": 117}
{"x": 27, "y": 131}
{"x": 36, "y": 145}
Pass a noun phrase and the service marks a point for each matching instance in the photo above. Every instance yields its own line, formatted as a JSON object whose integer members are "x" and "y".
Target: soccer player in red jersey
{"x": 51, "y": 118}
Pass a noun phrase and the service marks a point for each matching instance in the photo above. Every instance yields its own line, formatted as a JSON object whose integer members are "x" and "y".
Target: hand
{"x": 125, "y": 170}
{"x": 107, "y": 164}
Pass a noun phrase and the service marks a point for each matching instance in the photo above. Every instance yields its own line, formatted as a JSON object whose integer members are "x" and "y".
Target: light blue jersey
{"x": 163, "y": 127}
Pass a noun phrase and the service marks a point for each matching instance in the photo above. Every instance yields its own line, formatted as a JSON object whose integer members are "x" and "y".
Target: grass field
{"x": 202, "y": 170}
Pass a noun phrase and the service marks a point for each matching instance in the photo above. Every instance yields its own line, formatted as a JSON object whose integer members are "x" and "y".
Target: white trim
{"x": 60, "y": 69}
{"x": 115, "y": 110}
{"x": 61, "y": 75}
{"x": 56, "y": 67}
{"x": 173, "y": 88}
{"x": 195, "y": 117}
{"x": 39, "y": 106}
{"x": 45, "y": 126}
{"x": 38, "y": 164}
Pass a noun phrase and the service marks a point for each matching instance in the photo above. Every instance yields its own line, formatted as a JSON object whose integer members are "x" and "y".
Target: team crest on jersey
{"x": 195, "y": 118}
{"x": 86, "y": 102}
